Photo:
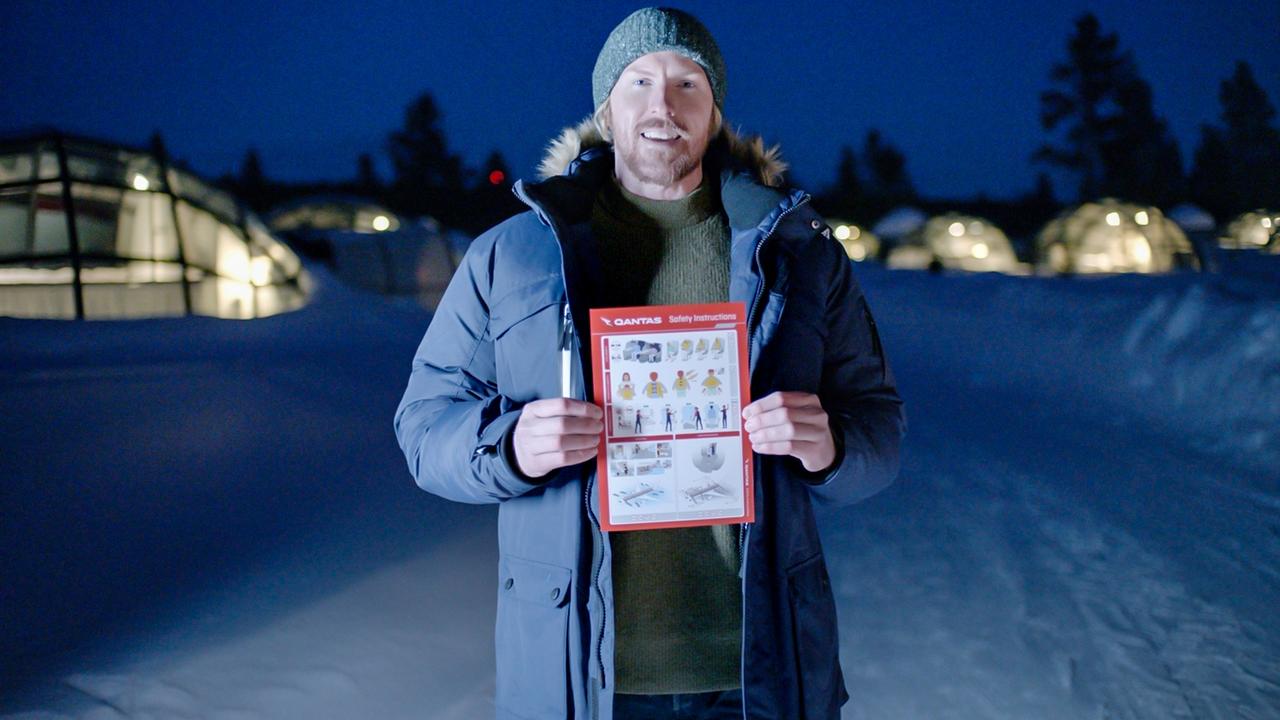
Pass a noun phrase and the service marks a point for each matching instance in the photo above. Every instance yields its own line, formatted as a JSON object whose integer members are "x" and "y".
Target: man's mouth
{"x": 660, "y": 135}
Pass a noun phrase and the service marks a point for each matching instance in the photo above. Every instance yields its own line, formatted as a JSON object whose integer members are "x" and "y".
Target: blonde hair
{"x": 600, "y": 119}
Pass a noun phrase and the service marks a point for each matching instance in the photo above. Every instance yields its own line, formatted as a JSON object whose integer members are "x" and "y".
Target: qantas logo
{"x": 633, "y": 321}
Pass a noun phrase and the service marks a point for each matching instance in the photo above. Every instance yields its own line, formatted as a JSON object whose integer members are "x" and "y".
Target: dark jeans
{"x": 718, "y": 705}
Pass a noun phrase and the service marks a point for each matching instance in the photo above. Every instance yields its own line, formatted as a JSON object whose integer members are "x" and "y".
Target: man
{"x": 653, "y": 200}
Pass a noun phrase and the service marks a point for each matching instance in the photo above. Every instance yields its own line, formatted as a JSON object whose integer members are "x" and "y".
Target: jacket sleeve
{"x": 452, "y": 420}
{"x": 859, "y": 394}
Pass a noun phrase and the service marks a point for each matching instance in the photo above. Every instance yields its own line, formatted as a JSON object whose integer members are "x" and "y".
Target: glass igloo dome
{"x": 92, "y": 230}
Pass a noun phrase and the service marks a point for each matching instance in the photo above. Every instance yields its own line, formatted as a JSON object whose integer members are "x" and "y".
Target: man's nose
{"x": 660, "y": 101}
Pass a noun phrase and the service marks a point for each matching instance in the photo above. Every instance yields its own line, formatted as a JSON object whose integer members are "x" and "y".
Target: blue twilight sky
{"x": 313, "y": 84}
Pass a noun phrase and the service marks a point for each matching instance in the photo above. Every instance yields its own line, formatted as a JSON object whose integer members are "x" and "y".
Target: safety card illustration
{"x": 672, "y": 380}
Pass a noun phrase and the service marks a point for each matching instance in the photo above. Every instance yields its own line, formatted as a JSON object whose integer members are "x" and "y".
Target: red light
{"x": 496, "y": 177}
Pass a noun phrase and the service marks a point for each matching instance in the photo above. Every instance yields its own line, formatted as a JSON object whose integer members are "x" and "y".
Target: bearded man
{"x": 654, "y": 200}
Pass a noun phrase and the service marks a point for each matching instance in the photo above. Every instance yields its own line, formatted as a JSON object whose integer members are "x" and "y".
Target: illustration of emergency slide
{"x": 638, "y": 496}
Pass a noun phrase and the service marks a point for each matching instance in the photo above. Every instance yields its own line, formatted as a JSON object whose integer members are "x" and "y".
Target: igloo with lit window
{"x": 1257, "y": 230}
{"x": 953, "y": 241}
{"x": 371, "y": 248}
{"x": 1110, "y": 236}
{"x": 93, "y": 230}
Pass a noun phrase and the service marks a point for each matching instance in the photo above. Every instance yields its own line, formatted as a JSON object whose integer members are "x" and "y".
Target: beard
{"x": 659, "y": 163}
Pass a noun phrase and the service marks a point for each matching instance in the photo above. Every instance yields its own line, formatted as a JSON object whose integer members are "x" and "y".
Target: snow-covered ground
{"x": 210, "y": 519}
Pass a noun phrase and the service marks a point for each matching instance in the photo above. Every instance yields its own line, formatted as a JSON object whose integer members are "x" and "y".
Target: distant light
{"x": 140, "y": 182}
{"x": 1140, "y": 217}
{"x": 980, "y": 250}
{"x": 975, "y": 228}
{"x": 855, "y": 232}
{"x": 381, "y": 223}
{"x": 842, "y": 232}
{"x": 1266, "y": 222}
{"x": 1113, "y": 219}
{"x": 496, "y": 177}
{"x": 956, "y": 229}
{"x": 260, "y": 270}
{"x": 858, "y": 253}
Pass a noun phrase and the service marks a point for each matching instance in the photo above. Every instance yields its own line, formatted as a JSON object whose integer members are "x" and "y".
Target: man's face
{"x": 660, "y": 118}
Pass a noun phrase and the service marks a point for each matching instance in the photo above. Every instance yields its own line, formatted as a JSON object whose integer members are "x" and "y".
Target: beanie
{"x": 650, "y": 30}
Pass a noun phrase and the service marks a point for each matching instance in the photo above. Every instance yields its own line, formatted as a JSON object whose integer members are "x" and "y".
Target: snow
{"x": 210, "y": 518}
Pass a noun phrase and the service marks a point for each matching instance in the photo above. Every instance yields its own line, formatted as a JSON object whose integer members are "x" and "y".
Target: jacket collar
{"x": 579, "y": 161}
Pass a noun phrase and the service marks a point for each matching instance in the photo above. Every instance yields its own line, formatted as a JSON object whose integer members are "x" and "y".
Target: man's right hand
{"x": 555, "y": 433}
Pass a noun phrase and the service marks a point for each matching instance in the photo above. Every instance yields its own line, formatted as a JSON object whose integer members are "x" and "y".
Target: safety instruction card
{"x": 672, "y": 380}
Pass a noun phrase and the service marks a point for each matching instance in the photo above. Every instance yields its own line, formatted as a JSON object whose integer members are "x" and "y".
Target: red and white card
{"x": 672, "y": 380}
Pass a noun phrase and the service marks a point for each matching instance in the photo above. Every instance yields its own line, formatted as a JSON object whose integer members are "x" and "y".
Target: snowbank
{"x": 1196, "y": 356}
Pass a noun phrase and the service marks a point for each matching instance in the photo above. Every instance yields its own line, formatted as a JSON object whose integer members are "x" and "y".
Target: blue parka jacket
{"x": 494, "y": 344}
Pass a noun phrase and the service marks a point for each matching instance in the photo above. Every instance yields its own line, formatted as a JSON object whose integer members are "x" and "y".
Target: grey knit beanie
{"x": 650, "y": 30}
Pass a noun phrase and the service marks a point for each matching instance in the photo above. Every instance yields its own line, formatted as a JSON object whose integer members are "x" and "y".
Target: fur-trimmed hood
{"x": 744, "y": 152}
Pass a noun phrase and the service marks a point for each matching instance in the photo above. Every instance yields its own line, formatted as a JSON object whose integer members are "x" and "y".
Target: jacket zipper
{"x": 567, "y": 318}
{"x": 744, "y": 531}
{"x": 569, "y": 342}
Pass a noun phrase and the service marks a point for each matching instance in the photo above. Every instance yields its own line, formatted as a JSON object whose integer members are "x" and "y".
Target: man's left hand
{"x": 791, "y": 423}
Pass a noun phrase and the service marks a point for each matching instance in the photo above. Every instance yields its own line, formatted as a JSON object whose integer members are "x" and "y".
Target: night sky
{"x": 314, "y": 84}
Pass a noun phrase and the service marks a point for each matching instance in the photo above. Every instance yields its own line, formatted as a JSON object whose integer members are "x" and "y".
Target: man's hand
{"x": 555, "y": 433}
{"x": 791, "y": 423}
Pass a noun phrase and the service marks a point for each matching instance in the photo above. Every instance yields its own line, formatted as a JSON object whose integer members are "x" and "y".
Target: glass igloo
{"x": 93, "y": 230}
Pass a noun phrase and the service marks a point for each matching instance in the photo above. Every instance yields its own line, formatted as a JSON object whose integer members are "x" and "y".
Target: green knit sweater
{"x": 677, "y": 596}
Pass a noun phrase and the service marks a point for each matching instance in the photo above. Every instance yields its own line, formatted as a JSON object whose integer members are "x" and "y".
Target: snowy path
{"x": 1047, "y": 553}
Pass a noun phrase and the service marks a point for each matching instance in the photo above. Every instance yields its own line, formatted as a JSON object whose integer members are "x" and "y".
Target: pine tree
{"x": 428, "y": 178}
{"x": 367, "y": 176}
{"x": 888, "y": 169}
{"x": 251, "y": 184}
{"x": 1141, "y": 160}
{"x": 1237, "y": 165}
{"x": 846, "y": 195}
{"x": 1084, "y": 103}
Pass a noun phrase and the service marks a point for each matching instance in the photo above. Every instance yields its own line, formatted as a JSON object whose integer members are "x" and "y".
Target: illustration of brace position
{"x": 699, "y": 494}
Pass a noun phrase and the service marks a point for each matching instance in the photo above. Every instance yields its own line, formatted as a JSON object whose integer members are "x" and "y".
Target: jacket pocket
{"x": 532, "y": 638}
{"x": 814, "y": 637}
{"x": 525, "y": 327}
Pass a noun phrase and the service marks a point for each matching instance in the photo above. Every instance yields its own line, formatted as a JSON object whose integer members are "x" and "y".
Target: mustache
{"x": 669, "y": 125}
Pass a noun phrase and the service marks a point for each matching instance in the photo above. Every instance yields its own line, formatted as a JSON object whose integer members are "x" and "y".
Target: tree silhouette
{"x": 367, "y": 176}
{"x": 1140, "y": 159}
{"x": 251, "y": 184}
{"x": 888, "y": 170}
{"x": 1237, "y": 165}
{"x": 428, "y": 178}
{"x": 1084, "y": 103}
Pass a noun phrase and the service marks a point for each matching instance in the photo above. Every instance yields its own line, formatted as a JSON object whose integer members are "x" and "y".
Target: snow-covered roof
{"x": 899, "y": 222}
{"x": 1192, "y": 218}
